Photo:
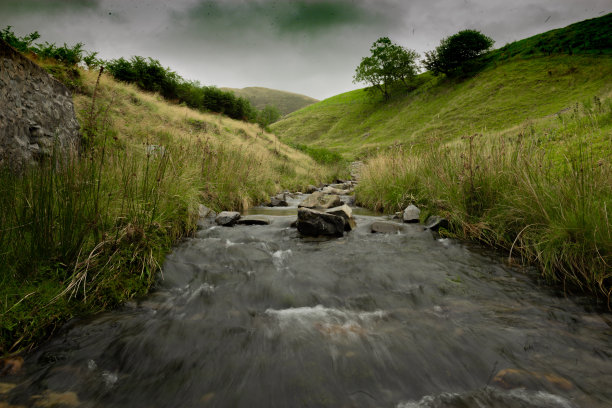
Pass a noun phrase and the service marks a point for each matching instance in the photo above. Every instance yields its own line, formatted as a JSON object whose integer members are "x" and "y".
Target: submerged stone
{"x": 254, "y": 220}
{"x": 386, "y": 227}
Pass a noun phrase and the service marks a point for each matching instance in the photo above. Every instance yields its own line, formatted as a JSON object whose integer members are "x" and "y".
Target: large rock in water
{"x": 345, "y": 212}
{"x": 313, "y": 223}
{"x": 36, "y": 112}
{"x": 320, "y": 201}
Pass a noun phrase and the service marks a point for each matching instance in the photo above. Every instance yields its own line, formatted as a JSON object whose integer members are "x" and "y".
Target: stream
{"x": 257, "y": 316}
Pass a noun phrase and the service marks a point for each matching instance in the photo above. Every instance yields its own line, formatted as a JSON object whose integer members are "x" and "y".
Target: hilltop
{"x": 526, "y": 80}
{"x": 285, "y": 102}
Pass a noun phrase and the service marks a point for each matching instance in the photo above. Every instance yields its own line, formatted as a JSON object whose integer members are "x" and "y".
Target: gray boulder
{"x": 320, "y": 201}
{"x": 386, "y": 227}
{"x": 254, "y": 220}
{"x": 227, "y": 218}
{"x": 345, "y": 212}
{"x": 411, "y": 214}
{"x": 435, "y": 222}
{"x": 311, "y": 189}
{"x": 313, "y": 223}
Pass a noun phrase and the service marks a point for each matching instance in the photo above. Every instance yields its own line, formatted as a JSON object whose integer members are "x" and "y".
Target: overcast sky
{"x": 305, "y": 46}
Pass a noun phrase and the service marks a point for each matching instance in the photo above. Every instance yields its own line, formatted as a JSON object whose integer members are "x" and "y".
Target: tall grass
{"x": 83, "y": 233}
{"x": 544, "y": 194}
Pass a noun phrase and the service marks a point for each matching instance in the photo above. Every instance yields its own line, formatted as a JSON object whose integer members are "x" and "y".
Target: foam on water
{"x": 491, "y": 397}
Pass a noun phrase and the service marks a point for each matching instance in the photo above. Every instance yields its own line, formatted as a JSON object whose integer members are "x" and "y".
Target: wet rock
{"x": 227, "y": 218}
{"x": 434, "y": 223}
{"x": 332, "y": 190}
{"x": 411, "y": 214}
{"x": 386, "y": 227}
{"x": 510, "y": 378}
{"x": 279, "y": 200}
{"x": 342, "y": 186}
{"x": 293, "y": 224}
{"x": 311, "y": 189}
{"x": 345, "y": 212}
{"x": 254, "y": 220}
{"x": 348, "y": 200}
{"x": 11, "y": 366}
{"x": 397, "y": 216}
{"x": 320, "y": 201}
{"x": 314, "y": 223}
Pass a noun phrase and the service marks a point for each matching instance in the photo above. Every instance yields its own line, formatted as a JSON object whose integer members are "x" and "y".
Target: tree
{"x": 457, "y": 53}
{"x": 388, "y": 64}
{"x": 267, "y": 116}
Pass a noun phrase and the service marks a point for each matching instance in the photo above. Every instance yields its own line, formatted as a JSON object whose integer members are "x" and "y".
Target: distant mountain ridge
{"x": 286, "y": 102}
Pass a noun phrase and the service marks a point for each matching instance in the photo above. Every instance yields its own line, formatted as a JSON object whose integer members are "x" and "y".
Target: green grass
{"x": 501, "y": 96}
{"x": 542, "y": 192}
{"x": 285, "y": 102}
{"x": 83, "y": 235}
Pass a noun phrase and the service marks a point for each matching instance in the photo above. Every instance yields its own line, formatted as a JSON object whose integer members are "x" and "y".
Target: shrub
{"x": 457, "y": 53}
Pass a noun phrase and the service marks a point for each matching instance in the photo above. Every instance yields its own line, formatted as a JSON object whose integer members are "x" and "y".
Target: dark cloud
{"x": 306, "y": 46}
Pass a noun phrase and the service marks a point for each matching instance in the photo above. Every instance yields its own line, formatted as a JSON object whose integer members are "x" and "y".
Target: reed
{"x": 543, "y": 193}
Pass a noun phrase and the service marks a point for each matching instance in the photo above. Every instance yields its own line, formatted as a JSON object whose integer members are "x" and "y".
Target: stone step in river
{"x": 257, "y": 316}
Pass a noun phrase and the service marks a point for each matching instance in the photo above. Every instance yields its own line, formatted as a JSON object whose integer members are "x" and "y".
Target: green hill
{"x": 518, "y": 82}
{"x": 286, "y": 102}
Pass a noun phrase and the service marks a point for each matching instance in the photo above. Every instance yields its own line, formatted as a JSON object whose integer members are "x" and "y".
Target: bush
{"x": 456, "y": 54}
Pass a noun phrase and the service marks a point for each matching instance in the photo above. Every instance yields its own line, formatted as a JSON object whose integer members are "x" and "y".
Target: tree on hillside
{"x": 388, "y": 64}
{"x": 456, "y": 54}
{"x": 267, "y": 116}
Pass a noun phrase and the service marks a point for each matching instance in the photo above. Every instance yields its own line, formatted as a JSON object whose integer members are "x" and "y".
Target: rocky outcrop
{"x": 313, "y": 223}
{"x": 36, "y": 112}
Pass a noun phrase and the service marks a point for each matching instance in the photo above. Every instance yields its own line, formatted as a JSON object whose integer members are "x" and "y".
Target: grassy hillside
{"x": 286, "y": 102}
{"x": 525, "y": 80}
{"x": 86, "y": 235}
{"x": 503, "y": 95}
{"x": 518, "y": 156}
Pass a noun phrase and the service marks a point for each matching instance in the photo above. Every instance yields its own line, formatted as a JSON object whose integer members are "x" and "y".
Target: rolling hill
{"x": 286, "y": 102}
{"x": 523, "y": 81}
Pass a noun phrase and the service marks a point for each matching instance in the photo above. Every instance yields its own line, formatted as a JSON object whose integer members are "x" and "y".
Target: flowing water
{"x": 255, "y": 316}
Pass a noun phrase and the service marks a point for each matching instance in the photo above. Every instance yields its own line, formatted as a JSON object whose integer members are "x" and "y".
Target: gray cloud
{"x": 306, "y": 46}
